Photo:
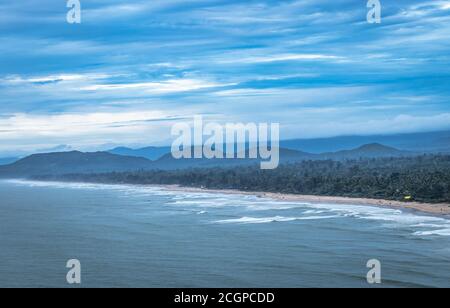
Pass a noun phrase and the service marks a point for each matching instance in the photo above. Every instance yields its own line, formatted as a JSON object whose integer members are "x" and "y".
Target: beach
{"x": 158, "y": 237}
{"x": 429, "y": 208}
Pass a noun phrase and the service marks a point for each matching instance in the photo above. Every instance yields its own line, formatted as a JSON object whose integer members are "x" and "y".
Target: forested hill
{"x": 101, "y": 162}
{"x": 422, "y": 178}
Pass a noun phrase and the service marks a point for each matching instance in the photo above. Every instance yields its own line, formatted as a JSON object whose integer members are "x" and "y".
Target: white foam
{"x": 442, "y": 232}
{"x": 424, "y": 225}
{"x": 377, "y": 213}
{"x": 127, "y": 189}
{"x": 262, "y": 220}
{"x": 427, "y": 225}
{"x": 313, "y": 212}
{"x": 253, "y": 220}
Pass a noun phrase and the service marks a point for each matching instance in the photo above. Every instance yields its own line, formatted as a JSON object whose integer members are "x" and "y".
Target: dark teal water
{"x": 129, "y": 236}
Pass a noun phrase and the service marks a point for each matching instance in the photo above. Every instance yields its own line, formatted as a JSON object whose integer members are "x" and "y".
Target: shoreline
{"x": 441, "y": 209}
{"x": 434, "y": 209}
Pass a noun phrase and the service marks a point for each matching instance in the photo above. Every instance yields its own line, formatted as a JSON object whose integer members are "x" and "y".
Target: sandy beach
{"x": 434, "y": 209}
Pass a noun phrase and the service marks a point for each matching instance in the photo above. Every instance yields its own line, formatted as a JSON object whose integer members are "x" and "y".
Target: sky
{"x": 132, "y": 69}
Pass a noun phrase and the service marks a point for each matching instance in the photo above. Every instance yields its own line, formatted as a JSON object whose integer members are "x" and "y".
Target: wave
{"x": 126, "y": 189}
{"x": 442, "y": 232}
{"x": 262, "y": 220}
{"x": 421, "y": 225}
{"x": 378, "y": 213}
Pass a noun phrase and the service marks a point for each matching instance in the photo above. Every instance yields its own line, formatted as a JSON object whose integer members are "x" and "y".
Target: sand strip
{"x": 435, "y": 209}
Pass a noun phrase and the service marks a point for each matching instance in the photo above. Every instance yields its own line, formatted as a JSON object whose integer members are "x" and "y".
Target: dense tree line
{"x": 425, "y": 178}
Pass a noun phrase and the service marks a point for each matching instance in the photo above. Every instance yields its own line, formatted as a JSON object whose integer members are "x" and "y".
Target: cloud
{"x": 82, "y": 129}
{"x": 164, "y": 87}
{"x": 317, "y": 67}
{"x": 121, "y": 10}
{"x": 282, "y": 58}
{"x": 53, "y": 78}
{"x": 402, "y": 123}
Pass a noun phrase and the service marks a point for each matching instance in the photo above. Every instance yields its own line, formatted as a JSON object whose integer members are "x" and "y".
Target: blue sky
{"x": 131, "y": 69}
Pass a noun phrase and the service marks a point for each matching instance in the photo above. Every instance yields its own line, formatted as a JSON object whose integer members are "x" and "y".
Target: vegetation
{"x": 424, "y": 178}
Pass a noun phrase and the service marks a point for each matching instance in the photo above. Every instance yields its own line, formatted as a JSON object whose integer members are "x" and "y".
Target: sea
{"x": 142, "y": 236}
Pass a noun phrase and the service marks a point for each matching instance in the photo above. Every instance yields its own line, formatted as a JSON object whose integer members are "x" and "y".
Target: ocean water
{"x": 136, "y": 236}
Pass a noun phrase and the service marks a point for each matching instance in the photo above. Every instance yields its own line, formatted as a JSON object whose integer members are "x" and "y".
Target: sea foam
{"x": 421, "y": 225}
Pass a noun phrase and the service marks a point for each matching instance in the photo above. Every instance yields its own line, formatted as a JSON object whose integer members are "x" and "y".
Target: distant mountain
{"x": 72, "y": 162}
{"x": 14, "y": 155}
{"x": 152, "y": 153}
{"x": 374, "y": 150}
{"x": 58, "y": 148}
{"x": 101, "y": 162}
{"x": 292, "y": 156}
{"x": 167, "y": 162}
{"x": 433, "y": 142}
{"x": 8, "y": 160}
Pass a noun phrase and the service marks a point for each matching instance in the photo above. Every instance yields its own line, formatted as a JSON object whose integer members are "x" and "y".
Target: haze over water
{"x": 136, "y": 236}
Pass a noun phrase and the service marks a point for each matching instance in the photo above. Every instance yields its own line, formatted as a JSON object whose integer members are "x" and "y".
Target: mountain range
{"x": 151, "y": 153}
{"x": 8, "y": 160}
{"x": 433, "y": 142}
{"x": 72, "y": 162}
{"x": 102, "y": 162}
{"x": 428, "y": 142}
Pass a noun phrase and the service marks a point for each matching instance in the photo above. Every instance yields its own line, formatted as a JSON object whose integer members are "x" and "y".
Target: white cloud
{"x": 82, "y": 130}
{"x": 249, "y": 92}
{"x": 114, "y": 11}
{"x": 70, "y": 123}
{"x": 86, "y": 131}
{"x": 54, "y": 78}
{"x": 445, "y": 6}
{"x": 403, "y": 123}
{"x": 421, "y": 10}
{"x": 168, "y": 86}
{"x": 281, "y": 58}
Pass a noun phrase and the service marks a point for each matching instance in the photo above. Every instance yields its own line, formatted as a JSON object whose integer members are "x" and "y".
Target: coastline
{"x": 441, "y": 209}
{"x": 434, "y": 209}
